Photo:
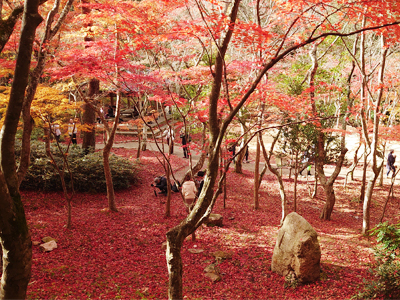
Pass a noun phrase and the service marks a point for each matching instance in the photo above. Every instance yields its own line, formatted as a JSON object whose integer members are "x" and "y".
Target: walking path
{"x": 178, "y": 151}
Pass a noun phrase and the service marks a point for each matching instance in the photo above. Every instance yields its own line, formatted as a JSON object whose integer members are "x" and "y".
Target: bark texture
{"x": 14, "y": 233}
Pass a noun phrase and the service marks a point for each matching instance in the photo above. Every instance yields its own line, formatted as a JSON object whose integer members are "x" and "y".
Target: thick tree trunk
{"x": 109, "y": 181}
{"x": 174, "y": 263}
{"x": 7, "y": 25}
{"x": 367, "y": 204}
{"x": 89, "y": 118}
{"x": 16, "y": 246}
{"x": 14, "y": 233}
{"x": 329, "y": 204}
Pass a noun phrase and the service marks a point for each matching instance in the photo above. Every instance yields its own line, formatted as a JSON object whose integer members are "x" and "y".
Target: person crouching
{"x": 189, "y": 192}
{"x": 160, "y": 182}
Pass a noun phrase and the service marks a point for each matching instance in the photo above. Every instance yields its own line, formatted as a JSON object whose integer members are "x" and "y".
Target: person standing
{"x": 184, "y": 139}
{"x": 200, "y": 181}
{"x": 170, "y": 136}
{"x": 56, "y": 131}
{"x": 72, "y": 131}
{"x": 390, "y": 163}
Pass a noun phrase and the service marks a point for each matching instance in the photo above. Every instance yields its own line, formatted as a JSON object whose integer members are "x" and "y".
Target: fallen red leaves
{"x": 110, "y": 255}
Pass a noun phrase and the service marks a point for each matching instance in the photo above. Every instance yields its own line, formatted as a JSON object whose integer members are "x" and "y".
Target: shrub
{"x": 387, "y": 266}
{"x": 87, "y": 170}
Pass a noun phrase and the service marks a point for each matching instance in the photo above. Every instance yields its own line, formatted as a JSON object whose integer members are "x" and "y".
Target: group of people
{"x": 169, "y": 135}
{"x": 72, "y": 131}
{"x": 191, "y": 189}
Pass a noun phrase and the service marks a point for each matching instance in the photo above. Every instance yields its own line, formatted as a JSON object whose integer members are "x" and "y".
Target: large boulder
{"x": 297, "y": 253}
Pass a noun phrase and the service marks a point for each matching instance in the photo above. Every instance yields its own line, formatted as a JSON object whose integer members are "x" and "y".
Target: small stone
{"x": 214, "y": 220}
{"x": 35, "y": 243}
{"x": 211, "y": 269}
{"x": 49, "y": 246}
{"x": 214, "y": 277}
{"x": 195, "y": 251}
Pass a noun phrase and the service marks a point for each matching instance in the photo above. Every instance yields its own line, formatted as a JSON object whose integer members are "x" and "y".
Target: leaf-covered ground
{"x": 119, "y": 255}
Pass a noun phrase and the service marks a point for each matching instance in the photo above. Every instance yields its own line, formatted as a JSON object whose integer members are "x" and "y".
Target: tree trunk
{"x": 89, "y": 118}
{"x": 168, "y": 205}
{"x": 330, "y": 202}
{"x": 144, "y": 139}
{"x": 139, "y": 147}
{"x": 296, "y": 174}
{"x": 277, "y": 175}
{"x": 106, "y": 158}
{"x": 174, "y": 263}
{"x": 257, "y": 174}
{"x": 14, "y": 233}
{"x": 364, "y": 175}
{"x": 16, "y": 246}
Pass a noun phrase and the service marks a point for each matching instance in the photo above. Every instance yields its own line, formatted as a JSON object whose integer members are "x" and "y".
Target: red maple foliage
{"x": 119, "y": 255}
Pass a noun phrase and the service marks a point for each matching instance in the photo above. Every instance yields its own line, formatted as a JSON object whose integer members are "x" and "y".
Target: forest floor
{"x": 108, "y": 255}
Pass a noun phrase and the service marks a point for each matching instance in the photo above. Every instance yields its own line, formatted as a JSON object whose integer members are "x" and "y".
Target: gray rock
{"x": 214, "y": 220}
{"x": 297, "y": 250}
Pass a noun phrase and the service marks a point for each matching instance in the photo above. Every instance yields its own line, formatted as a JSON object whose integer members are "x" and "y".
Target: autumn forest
{"x": 275, "y": 111}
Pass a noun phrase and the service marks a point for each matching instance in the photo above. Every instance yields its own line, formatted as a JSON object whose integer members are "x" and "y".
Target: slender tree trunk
{"x": 89, "y": 118}
{"x": 106, "y": 158}
{"x": 277, "y": 175}
{"x": 168, "y": 204}
{"x": 374, "y": 144}
{"x": 296, "y": 174}
{"x": 139, "y": 147}
{"x": 364, "y": 174}
{"x": 257, "y": 174}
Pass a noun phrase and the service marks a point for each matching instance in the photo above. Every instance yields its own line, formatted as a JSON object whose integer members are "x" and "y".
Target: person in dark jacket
{"x": 160, "y": 182}
{"x": 390, "y": 163}
{"x": 200, "y": 181}
{"x": 184, "y": 138}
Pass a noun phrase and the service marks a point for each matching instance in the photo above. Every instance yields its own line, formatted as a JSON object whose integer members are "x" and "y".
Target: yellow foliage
{"x": 51, "y": 102}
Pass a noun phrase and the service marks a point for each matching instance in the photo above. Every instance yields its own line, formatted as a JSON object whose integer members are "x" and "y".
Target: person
{"x": 56, "y": 131}
{"x": 170, "y": 136}
{"x": 390, "y": 163}
{"x": 110, "y": 112}
{"x": 72, "y": 131}
{"x": 184, "y": 139}
{"x": 102, "y": 113}
{"x": 189, "y": 192}
{"x": 232, "y": 149}
{"x": 160, "y": 182}
{"x": 200, "y": 181}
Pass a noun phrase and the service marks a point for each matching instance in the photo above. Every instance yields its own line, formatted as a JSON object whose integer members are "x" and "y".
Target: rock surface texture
{"x": 297, "y": 253}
